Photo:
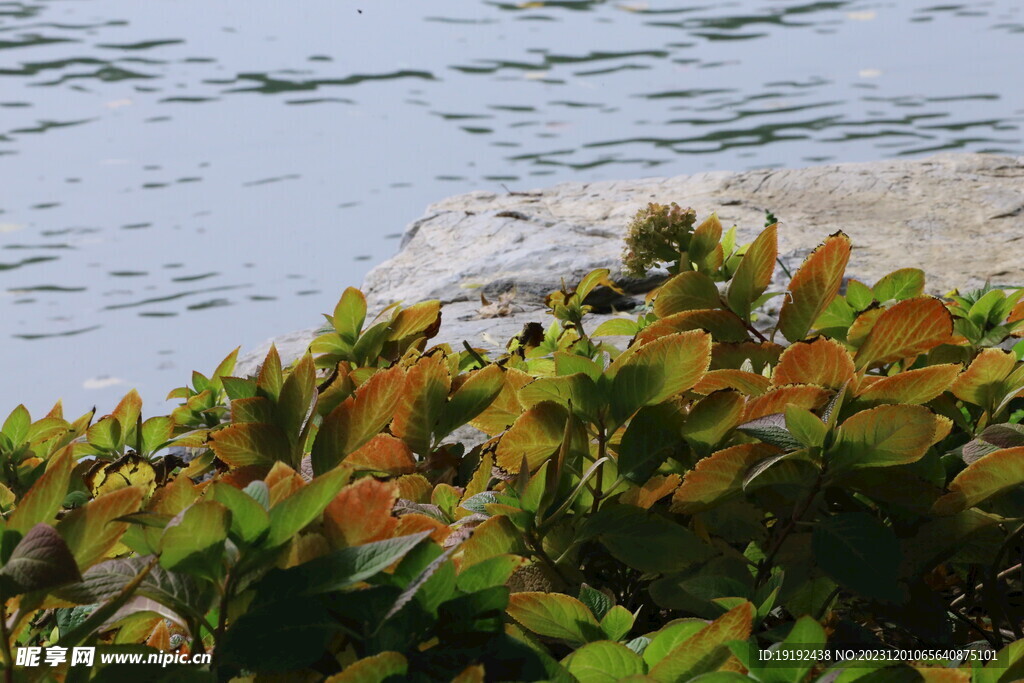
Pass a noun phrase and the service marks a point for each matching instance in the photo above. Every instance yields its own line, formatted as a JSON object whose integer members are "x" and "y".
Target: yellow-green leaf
{"x": 754, "y": 273}
{"x": 814, "y": 286}
{"x": 554, "y": 615}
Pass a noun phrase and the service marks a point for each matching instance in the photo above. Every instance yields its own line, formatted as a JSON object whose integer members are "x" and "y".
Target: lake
{"x": 180, "y": 177}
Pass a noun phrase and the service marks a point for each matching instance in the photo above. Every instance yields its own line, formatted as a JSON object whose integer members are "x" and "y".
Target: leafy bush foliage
{"x": 664, "y": 498}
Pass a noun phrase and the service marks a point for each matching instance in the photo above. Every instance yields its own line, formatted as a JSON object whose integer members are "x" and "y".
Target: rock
{"x": 958, "y": 217}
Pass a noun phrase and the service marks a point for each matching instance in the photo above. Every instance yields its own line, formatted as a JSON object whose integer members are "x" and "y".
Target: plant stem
{"x": 798, "y": 512}
{"x": 601, "y": 450}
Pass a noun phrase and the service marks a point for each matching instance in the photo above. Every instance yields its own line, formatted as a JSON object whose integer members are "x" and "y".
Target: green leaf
{"x": 295, "y": 403}
{"x": 651, "y": 436}
{"x": 250, "y": 444}
{"x": 772, "y": 430}
{"x": 688, "y": 291}
{"x": 883, "y": 436}
{"x": 603, "y": 662}
{"x": 657, "y": 371}
{"x": 43, "y": 500}
{"x": 905, "y": 283}
{"x": 195, "y": 544}
{"x": 616, "y": 327}
{"x": 805, "y": 426}
{"x": 349, "y": 315}
{"x": 298, "y": 510}
{"x": 754, "y": 273}
{"x": 554, "y": 615}
{"x": 617, "y": 623}
{"x": 859, "y": 553}
{"x": 40, "y": 561}
{"x": 106, "y": 434}
{"x": 644, "y": 541}
{"x": 806, "y": 634}
{"x": 249, "y": 519}
{"x": 337, "y": 570}
{"x": 598, "y": 602}
{"x": 859, "y": 295}
{"x": 471, "y": 398}
{"x": 16, "y": 425}
{"x": 494, "y": 571}
{"x": 156, "y": 431}
{"x": 271, "y": 378}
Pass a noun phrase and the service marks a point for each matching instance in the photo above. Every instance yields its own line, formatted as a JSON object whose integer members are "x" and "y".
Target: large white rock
{"x": 958, "y": 217}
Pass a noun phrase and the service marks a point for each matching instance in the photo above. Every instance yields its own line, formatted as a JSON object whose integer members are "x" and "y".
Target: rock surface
{"x": 958, "y": 217}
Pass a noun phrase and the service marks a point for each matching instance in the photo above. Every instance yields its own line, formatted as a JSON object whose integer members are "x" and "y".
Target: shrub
{"x": 670, "y": 509}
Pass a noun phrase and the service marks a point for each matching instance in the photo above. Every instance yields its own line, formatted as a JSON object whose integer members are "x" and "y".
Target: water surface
{"x": 182, "y": 177}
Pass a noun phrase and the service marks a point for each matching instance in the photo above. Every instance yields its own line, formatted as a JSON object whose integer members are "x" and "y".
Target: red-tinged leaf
{"x": 653, "y": 490}
{"x": 419, "y": 320}
{"x": 414, "y": 487}
{"x": 908, "y": 328}
{"x": 806, "y": 396}
{"x": 912, "y": 387}
{"x": 256, "y": 409}
{"x": 361, "y": 513}
{"x": 422, "y": 402}
{"x": 294, "y": 513}
{"x": 554, "y": 615}
{"x": 988, "y": 476}
{"x": 471, "y": 398}
{"x": 90, "y": 531}
{"x": 861, "y": 326}
{"x": 688, "y": 291}
{"x": 748, "y": 383}
{"x": 282, "y": 481}
{"x": 983, "y": 383}
{"x": 270, "y": 379}
{"x": 535, "y": 435}
{"x": 358, "y": 419}
{"x": 708, "y": 649}
{"x": 823, "y": 361}
{"x": 724, "y": 326}
{"x": 495, "y": 536}
{"x": 383, "y": 453}
{"x": 43, "y": 500}
{"x": 733, "y": 356}
{"x": 883, "y": 436}
{"x": 718, "y": 477}
{"x": 250, "y": 444}
{"x": 127, "y": 413}
{"x": 657, "y": 371}
{"x": 814, "y": 286}
{"x": 415, "y": 523}
{"x": 754, "y": 273}
{"x": 505, "y": 408}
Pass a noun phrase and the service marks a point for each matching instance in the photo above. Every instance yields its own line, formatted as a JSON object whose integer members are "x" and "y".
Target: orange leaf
{"x": 422, "y": 402}
{"x": 358, "y": 419}
{"x": 724, "y": 326}
{"x": 823, "y": 361}
{"x": 748, "y": 383}
{"x": 653, "y": 490}
{"x": 383, "y": 453}
{"x": 536, "y": 435}
{"x": 912, "y": 387}
{"x": 282, "y": 481}
{"x": 718, "y": 476}
{"x": 414, "y": 487}
{"x": 250, "y": 443}
{"x": 908, "y": 328}
{"x": 814, "y": 286}
{"x": 361, "y": 513}
{"x": 983, "y": 382}
{"x": 90, "y": 531}
{"x": 986, "y": 477}
{"x": 414, "y": 523}
{"x": 805, "y": 396}
{"x": 504, "y": 409}
{"x": 43, "y": 500}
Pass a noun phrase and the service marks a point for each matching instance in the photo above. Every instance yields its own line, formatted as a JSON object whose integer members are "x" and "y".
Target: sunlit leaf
{"x": 723, "y": 326}
{"x": 989, "y": 476}
{"x": 717, "y": 477}
{"x": 688, "y": 291}
{"x": 554, "y": 615}
{"x": 90, "y": 531}
{"x": 883, "y": 436}
{"x": 43, "y": 500}
{"x": 535, "y": 435}
{"x": 361, "y": 513}
{"x": 912, "y": 387}
{"x": 422, "y": 402}
{"x": 814, "y": 286}
{"x": 754, "y": 273}
{"x": 824, "y": 362}
{"x": 707, "y": 650}
{"x": 910, "y": 327}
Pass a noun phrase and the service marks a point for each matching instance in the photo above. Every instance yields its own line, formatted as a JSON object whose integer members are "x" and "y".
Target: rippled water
{"x": 182, "y": 176}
